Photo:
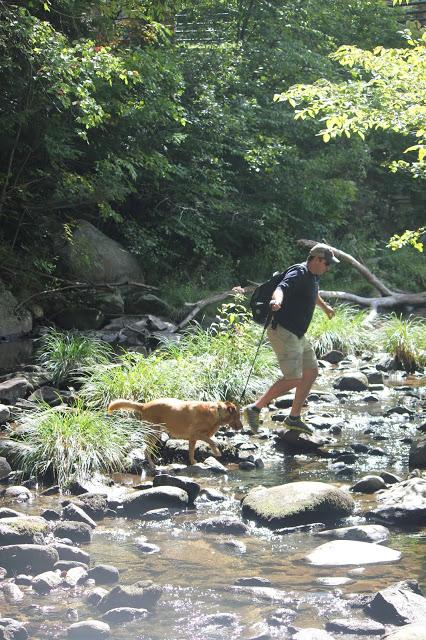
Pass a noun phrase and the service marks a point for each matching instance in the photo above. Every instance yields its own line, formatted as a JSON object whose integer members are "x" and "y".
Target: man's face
{"x": 318, "y": 265}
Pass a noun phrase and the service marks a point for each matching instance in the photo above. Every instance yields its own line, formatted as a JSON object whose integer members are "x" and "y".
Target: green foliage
{"x": 405, "y": 340}
{"x": 346, "y": 331}
{"x": 74, "y": 443}
{"x": 203, "y": 365}
{"x": 408, "y": 238}
{"x": 64, "y": 354}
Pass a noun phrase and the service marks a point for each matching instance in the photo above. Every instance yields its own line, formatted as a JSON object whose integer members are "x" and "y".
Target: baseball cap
{"x": 324, "y": 251}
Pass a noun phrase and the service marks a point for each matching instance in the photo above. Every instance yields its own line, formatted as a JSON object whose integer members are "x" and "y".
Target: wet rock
{"x": 235, "y": 545}
{"x": 362, "y": 532}
{"x": 401, "y": 603}
{"x": 12, "y": 593}
{"x": 212, "y": 495}
{"x": 75, "y": 531}
{"x": 369, "y": 484}
{"x": 221, "y": 619}
{"x": 95, "y": 596}
{"x": 50, "y": 514}
{"x": 296, "y": 503}
{"x": 333, "y": 357}
{"x": 324, "y": 422}
{"x": 417, "y": 454}
{"x": 310, "y": 528}
{"x": 13, "y": 389}
{"x": 5, "y": 467}
{"x": 310, "y": 633}
{"x": 22, "y": 530}
{"x": 5, "y": 512}
{"x": 140, "y": 502}
{"x": 68, "y": 552}
{"x": 122, "y": 615}
{"x": 187, "y": 484}
{"x": 246, "y": 465}
{"x": 370, "y": 398}
{"x": 51, "y": 491}
{"x": 66, "y": 565}
{"x": 73, "y": 512}
{"x": 45, "y": 582}
{"x": 18, "y": 493}
{"x": 253, "y": 581}
{"x": 18, "y": 557}
{"x": 11, "y": 629}
{"x": 284, "y": 402}
{"x": 389, "y": 478}
{"x": 399, "y": 411}
{"x": 209, "y": 467}
{"x": 340, "y": 553}
{"x": 223, "y": 524}
{"x": 292, "y": 442}
{"x": 359, "y": 447}
{"x": 104, "y": 574}
{"x": 322, "y": 396}
{"x": 346, "y": 458}
{"x": 141, "y": 595}
{"x": 146, "y": 547}
{"x": 23, "y": 579}
{"x": 281, "y": 617}
{"x": 89, "y": 630}
{"x": 356, "y": 627}
{"x": 374, "y": 377}
{"x": 377, "y": 451}
{"x": 415, "y": 631}
{"x": 353, "y": 381}
{"x": 157, "y": 514}
{"x": 4, "y": 413}
{"x": 94, "y": 504}
{"x": 403, "y": 503}
{"x": 76, "y": 575}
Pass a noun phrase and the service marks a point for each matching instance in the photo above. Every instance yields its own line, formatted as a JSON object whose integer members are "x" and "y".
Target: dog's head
{"x": 230, "y": 414}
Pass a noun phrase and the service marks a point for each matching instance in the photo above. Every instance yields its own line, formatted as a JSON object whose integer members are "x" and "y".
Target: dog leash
{"x": 268, "y": 320}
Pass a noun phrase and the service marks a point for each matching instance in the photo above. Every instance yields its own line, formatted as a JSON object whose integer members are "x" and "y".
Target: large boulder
{"x": 140, "y": 502}
{"x": 296, "y": 503}
{"x": 352, "y": 381}
{"x": 401, "y": 603}
{"x": 21, "y": 530}
{"x": 13, "y": 322}
{"x": 414, "y": 631}
{"x": 18, "y": 557}
{"x": 93, "y": 257}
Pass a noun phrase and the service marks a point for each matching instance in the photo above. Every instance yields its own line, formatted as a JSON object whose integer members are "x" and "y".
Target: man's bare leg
{"x": 279, "y": 388}
{"x": 302, "y": 390}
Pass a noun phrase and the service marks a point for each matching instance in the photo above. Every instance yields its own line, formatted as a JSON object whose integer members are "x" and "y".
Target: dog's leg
{"x": 213, "y": 446}
{"x": 191, "y": 451}
{"x": 150, "y": 446}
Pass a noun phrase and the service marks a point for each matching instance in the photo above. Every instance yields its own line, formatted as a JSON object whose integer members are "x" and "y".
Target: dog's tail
{"x": 129, "y": 405}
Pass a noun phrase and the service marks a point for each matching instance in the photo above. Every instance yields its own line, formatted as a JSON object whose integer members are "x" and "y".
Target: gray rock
{"x": 353, "y": 381}
{"x": 221, "y": 619}
{"x": 141, "y": 595}
{"x": 12, "y": 629}
{"x": 5, "y": 512}
{"x": 50, "y": 395}
{"x": 18, "y": 557}
{"x": 22, "y": 530}
{"x": 51, "y": 515}
{"x": 104, "y": 574}
{"x": 89, "y": 630}
{"x": 403, "y": 503}
{"x": 18, "y": 493}
{"x": 4, "y": 413}
{"x": 369, "y": 484}
{"x": 140, "y": 502}
{"x": 75, "y": 531}
{"x": 12, "y": 593}
{"x": 68, "y": 552}
{"x": 223, "y": 524}
{"x": 146, "y": 547}
{"x": 341, "y": 553}
{"x": 13, "y": 323}
{"x": 122, "y": 615}
{"x": 281, "y": 617}
{"x": 76, "y": 575}
{"x": 310, "y": 633}
{"x": 95, "y": 596}
{"x": 296, "y": 503}
{"x": 363, "y": 533}
{"x": 187, "y": 484}
{"x": 401, "y": 603}
{"x": 74, "y": 512}
{"x": 356, "y": 627}
{"x": 333, "y": 357}
{"x": 12, "y": 390}
{"x": 415, "y": 631}
{"x": 234, "y": 545}
{"x": 45, "y": 582}
{"x": 212, "y": 495}
{"x": 209, "y": 467}
{"x": 66, "y": 565}
{"x": 94, "y": 504}
{"x": 417, "y": 455}
{"x": 253, "y": 581}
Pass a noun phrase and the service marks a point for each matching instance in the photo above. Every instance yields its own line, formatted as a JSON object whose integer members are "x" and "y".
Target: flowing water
{"x": 198, "y": 570}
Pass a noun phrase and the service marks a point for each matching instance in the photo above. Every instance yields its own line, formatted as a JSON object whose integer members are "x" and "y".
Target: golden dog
{"x": 190, "y": 420}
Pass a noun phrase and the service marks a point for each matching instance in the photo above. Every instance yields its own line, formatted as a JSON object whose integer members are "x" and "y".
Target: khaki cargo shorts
{"x": 294, "y": 354}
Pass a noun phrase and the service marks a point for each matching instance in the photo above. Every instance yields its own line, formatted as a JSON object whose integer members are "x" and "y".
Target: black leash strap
{"x": 268, "y": 320}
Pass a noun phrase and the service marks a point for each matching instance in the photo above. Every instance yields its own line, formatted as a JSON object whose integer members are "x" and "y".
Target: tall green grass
{"x": 404, "y": 339}
{"x": 346, "y": 331}
{"x": 73, "y": 443}
{"x": 63, "y": 354}
{"x": 204, "y": 365}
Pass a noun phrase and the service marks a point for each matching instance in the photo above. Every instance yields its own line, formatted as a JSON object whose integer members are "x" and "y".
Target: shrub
{"x": 404, "y": 339}
{"x": 73, "y": 442}
{"x": 64, "y": 354}
{"x": 346, "y": 331}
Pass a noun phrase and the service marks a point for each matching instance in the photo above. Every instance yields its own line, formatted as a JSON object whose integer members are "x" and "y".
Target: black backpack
{"x": 259, "y": 301}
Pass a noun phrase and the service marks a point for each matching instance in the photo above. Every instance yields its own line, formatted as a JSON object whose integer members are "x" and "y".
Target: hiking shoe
{"x": 297, "y": 424}
{"x": 252, "y": 415}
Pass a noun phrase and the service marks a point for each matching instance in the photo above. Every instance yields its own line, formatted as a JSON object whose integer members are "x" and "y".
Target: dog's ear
{"x": 230, "y": 407}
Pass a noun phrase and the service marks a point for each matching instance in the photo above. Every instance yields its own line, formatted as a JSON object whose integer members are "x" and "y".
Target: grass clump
{"x": 346, "y": 331}
{"x": 203, "y": 365}
{"x": 63, "y": 355}
{"x": 404, "y": 339}
{"x": 73, "y": 443}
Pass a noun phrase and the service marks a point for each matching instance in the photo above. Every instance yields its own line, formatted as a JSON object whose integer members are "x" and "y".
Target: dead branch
{"x": 388, "y": 299}
{"x": 218, "y": 297}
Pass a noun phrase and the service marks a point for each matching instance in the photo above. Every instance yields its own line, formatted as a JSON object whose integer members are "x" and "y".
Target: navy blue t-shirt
{"x": 300, "y": 289}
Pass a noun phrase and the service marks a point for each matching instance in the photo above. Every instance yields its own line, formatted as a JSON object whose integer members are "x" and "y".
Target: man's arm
{"x": 277, "y": 299}
{"x": 329, "y": 311}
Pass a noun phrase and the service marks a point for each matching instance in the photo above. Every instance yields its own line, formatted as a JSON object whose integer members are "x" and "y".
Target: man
{"x": 293, "y": 303}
